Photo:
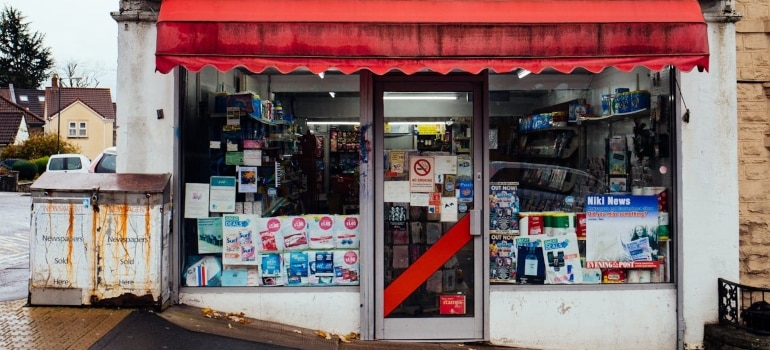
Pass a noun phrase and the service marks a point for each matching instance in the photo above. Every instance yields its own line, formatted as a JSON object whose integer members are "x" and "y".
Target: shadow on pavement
{"x": 144, "y": 329}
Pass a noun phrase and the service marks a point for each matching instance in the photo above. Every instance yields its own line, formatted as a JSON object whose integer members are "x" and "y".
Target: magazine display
{"x": 305, "y": 250}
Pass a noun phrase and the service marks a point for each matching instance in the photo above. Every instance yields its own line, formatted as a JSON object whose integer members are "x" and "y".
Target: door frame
{"x": 403, "y": 328}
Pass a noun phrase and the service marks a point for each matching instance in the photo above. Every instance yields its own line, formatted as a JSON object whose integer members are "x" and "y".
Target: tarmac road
{"x": 15, "y": 209}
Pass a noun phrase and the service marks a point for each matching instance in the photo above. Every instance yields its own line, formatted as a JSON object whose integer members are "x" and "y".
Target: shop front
{"x": 503, "y": 171}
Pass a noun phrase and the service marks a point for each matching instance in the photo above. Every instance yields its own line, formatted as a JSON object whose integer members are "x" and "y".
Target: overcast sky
{"x": 80, "y": 31}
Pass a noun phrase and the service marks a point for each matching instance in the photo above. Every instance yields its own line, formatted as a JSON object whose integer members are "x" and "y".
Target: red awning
{"x": 436, "y": 35}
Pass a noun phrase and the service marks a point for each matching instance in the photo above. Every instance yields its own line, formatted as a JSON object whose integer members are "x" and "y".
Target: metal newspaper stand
{"x": 100, "y": 240}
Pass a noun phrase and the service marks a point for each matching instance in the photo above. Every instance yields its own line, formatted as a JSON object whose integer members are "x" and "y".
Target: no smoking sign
{"x": 421, "y": 177}
{"x": 422, "y": 167}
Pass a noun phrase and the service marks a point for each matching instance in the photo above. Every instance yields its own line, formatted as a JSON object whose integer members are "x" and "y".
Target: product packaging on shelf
{"x": 346, "y": 228}
{"x": 320, "y": 231}
{"x": 271, "y": 269}
{"x": 297, "y": 269}
{"x": 346, "y": 267}
{"x": 294, "y": 232}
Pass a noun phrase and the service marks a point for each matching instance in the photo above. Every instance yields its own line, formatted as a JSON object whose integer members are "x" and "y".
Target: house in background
{"x": 87, "y": 116}
{"x": 32, "y": 100}
{"x": 17, "y": 123}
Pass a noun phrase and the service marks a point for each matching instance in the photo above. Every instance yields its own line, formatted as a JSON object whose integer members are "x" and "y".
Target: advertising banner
{"x": 621, "y": 231}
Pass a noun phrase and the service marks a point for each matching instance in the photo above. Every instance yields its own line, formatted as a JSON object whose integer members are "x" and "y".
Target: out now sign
{"x": 421, "y": 174}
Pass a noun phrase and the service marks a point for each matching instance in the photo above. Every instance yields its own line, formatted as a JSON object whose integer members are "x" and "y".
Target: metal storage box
{"x": 100, "y": 239}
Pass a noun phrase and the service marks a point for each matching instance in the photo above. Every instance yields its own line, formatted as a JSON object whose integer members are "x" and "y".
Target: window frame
{"x": 77, "y": 129}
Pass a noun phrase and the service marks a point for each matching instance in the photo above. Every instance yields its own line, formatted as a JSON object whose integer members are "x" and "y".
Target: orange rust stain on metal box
{"x": 70, "y": 240}
{"x": 148, "y": 241}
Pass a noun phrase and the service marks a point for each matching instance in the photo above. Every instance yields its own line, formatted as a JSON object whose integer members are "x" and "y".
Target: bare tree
{"x": 76, "y": 75}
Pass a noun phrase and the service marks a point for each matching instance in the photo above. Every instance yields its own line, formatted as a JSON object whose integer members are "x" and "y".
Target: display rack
{"x": 281, "y": 181}
{"x": 553, "y": 142}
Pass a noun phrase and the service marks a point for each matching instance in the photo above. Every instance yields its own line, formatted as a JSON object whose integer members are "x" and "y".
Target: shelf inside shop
{"x": 553, "y": 128}
{"x": 564, "y": 154}
{"x": 645, "y": 112}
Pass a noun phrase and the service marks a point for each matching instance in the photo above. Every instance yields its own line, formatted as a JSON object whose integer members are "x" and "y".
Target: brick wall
{"x": 753, "y": 71}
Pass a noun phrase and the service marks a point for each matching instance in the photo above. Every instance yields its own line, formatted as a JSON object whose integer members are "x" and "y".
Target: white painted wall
{"x": 145, "y": 143}
{"x": 709, "y": 184}
{"x": 327, "y": 310}
{"x": 599, "y": 318}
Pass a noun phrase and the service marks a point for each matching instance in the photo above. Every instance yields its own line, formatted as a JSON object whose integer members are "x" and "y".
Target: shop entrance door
{"x": 429, "y": 281}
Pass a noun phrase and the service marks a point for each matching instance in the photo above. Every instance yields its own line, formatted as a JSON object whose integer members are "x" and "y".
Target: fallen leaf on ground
{"x": 323, "y": 334}
{"x": 342, "y": 338}
{"x": 239, "y": 319}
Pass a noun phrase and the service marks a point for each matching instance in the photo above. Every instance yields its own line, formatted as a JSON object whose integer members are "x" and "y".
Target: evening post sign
{"x": 621, "y": 231}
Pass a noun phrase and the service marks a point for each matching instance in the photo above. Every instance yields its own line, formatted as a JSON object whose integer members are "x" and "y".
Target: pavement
{"x": 177, "y": 327}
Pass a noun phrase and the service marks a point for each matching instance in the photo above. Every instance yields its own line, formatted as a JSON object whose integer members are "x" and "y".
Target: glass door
{"x": 428, "y": 212}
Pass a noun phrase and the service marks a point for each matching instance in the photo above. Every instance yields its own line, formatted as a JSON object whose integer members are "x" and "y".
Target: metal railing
{"x": 744, "y": 307}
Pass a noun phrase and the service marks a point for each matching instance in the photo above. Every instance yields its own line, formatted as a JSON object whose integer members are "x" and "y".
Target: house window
{"x": 78, "y": 129}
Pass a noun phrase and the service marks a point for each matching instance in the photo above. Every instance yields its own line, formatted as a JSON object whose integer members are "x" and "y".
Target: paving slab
{"x": 54, "y": 327}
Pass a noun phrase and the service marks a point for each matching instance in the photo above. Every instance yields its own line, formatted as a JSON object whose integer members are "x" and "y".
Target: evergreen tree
{"x": 24, "y": 61}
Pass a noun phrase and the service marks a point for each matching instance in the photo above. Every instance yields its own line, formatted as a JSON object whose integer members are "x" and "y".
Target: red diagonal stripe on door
{"x": 417, "y": 273}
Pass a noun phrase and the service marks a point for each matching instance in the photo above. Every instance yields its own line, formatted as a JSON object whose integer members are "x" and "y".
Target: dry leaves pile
{"x": 234, "y": 317}
{"x": 240, "y": 318}
{"x": 343, "y": 338}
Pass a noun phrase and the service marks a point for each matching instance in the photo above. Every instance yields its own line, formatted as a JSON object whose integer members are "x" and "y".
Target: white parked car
{"x": 68, "y": 163}
{"x": 105, "y": 161}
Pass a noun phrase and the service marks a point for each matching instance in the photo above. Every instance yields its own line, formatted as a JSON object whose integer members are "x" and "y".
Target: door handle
{"x": 475, "y": 229}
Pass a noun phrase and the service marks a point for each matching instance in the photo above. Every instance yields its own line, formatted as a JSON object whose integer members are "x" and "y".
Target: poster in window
{"x": 232, "y": 137}
{"x": 222, "y": 194}
{"x": 240, "y": 247}
{"x": 247, "y": 179}
{"x": 503, "y": 207}
{"x": 209, "y": 235}
{"x": 196, "y": 203}
{"x": 502, "y": 264}
{"x": 621, "y": 231}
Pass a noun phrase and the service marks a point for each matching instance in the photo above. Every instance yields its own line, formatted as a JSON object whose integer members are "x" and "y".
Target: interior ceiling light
{"x": 523, "y": 73}
{"x": 332, "y": 123}
{"x": 420, "y": 96}
{"x": 415, "y": 123}
{"x": 332, "y": 94}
